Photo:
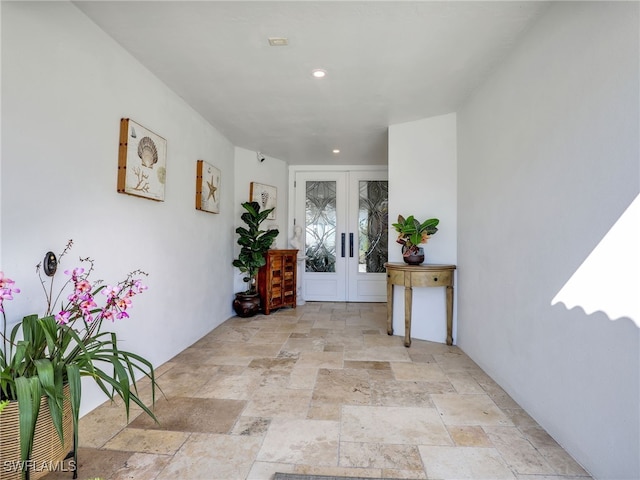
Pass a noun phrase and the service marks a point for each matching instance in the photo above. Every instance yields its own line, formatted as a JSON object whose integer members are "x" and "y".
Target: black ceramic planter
{"x": 246, "y": 304}
{"x": 414, "y": 259}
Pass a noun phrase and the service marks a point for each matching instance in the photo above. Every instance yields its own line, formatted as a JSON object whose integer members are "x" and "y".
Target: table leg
{"x": 389, "y": 307}
{"x": 408, "y": 294}
{"x": 450, "y": 315}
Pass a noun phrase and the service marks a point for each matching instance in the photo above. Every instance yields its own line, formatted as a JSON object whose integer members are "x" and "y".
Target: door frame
{"x": 291, "y": 207}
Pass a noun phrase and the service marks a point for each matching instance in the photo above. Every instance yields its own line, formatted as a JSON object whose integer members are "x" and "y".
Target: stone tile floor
{"x": 321, "y": 389}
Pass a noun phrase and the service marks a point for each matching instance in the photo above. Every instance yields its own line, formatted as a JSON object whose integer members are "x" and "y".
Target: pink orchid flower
{"x": 63, "y": 317}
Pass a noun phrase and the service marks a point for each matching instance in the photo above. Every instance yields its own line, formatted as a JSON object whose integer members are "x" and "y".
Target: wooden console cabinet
{"x": 277, "y": 280}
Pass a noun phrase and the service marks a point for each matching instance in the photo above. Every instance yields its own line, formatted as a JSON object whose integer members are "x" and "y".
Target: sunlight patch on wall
{"x": 609, "y": 279}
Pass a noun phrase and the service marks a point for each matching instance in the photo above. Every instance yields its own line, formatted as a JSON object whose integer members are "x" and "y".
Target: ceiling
{"x": 387, "y": 62}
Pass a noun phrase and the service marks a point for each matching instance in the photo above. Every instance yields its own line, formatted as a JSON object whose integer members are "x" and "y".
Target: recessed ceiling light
{"x": 278, "y": 41}
{"x": 319, "y": 73}
{"x": 336, "y": 150}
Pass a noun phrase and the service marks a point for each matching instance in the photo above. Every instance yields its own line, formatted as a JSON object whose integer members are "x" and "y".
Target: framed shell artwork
{"x": 265, "y": 195}
{"x": 142, "y": 161}
{"x": 207, "y": 187}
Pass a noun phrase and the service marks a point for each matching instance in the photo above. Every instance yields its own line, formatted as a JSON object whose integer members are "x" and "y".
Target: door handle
{"x": 343, "y": 245}
{"x": 351, "y": 244}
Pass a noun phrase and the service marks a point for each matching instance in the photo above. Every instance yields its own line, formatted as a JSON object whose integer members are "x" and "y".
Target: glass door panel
{"x": 320, "y": 226}
{"x": 373, "y": 225}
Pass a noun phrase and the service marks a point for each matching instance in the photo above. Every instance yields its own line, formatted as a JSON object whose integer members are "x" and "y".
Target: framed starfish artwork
{"x": 207, "y": 187}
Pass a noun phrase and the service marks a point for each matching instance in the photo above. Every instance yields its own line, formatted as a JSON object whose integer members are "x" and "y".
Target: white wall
{"x": 423, "y": 183}
{"x": 548, "y": 160}
{"x": 65, "y": 86}
{"x": 270, "y": 172}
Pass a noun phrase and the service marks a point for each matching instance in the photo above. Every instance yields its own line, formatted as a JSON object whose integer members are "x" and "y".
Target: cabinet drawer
{"x": 431, "y": 279}
{"x": 395, "y": 277}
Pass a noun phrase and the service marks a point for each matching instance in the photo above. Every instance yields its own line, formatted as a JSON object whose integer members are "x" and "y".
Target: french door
{"x": 344, "y": 215}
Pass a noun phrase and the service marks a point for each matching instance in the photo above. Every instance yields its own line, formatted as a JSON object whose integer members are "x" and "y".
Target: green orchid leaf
{"x": 75, "y": 392}
{"x": 49, "y": 328}
{"x": 29, "y": 393}
{"x": 52, "y": 391}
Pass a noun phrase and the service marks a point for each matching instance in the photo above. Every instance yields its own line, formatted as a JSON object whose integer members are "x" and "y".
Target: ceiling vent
{"x": 278, "y": 41}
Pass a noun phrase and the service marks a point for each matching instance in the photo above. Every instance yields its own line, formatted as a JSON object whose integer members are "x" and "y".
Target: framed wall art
{"x": 265, "y": 195}
{"x": 142, "y": 161}
{"x": 207, "y": 187}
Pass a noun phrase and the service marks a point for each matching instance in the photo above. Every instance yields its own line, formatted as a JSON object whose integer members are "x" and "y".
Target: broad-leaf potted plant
{"x": 43, "y": 358}
{"x": 254, "y": 243}
{"x": 411, "y": 234}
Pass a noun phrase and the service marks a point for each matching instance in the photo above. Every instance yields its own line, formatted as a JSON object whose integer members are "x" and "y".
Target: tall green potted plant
{"x": 254, "y": 243}
{"x": 43, "y": 358}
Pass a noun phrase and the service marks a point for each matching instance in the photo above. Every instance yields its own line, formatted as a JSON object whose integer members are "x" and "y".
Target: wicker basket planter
{"x": 47, "y": 453}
